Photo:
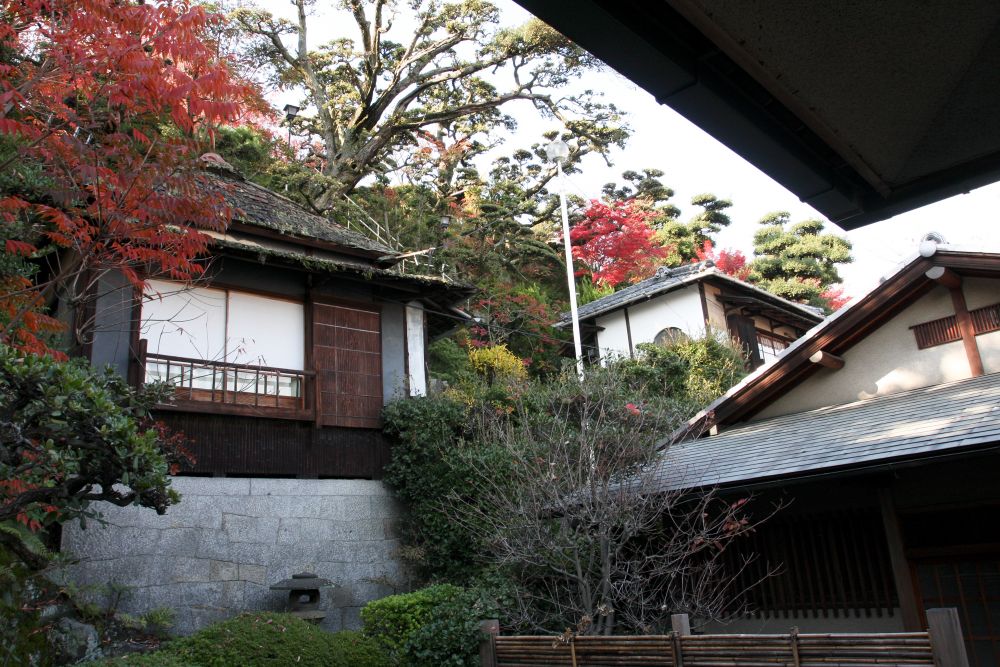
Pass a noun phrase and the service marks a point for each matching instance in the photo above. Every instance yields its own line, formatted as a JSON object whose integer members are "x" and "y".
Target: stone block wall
{"x": 217, "y": 552}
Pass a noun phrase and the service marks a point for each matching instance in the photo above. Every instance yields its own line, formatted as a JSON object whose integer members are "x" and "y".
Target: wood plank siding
{"x": 235, "y": 445}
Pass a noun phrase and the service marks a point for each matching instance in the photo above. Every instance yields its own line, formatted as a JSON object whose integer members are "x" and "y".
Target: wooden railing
{"x": 221, "y": 383}
{"x": 940, "y": 646}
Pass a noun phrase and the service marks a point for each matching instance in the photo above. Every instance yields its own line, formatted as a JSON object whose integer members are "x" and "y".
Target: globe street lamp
{"x": 557, "y": 152}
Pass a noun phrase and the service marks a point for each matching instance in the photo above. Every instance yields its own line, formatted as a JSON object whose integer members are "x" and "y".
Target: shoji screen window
{"x": 220, "y": 343}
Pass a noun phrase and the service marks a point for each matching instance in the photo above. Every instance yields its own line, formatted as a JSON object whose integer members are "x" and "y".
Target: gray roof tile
{"x": 919, "y": 422}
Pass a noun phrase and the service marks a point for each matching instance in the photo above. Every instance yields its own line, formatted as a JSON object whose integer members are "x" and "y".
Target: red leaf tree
{"x": 108, "y": 105}
{"x": 615, "y": 242}
{"x": 731, "y": 262}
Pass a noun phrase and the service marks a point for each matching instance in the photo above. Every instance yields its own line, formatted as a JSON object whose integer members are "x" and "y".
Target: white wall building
{"x": 687, "y": 301}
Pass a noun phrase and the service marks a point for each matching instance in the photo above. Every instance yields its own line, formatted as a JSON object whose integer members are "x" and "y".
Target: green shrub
{"x": 695, "y": 371}
{"x": 450, "y": 636}
{"x": 262, "y": 640}
{"x": 437, "y": 625}
{"x": 423, "y": 471}
{"x": 391, "y": 620}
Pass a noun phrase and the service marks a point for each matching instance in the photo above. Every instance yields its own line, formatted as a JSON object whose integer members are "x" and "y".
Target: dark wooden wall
{"x": 236, "y": 445}
{"x": 823, "y": 563}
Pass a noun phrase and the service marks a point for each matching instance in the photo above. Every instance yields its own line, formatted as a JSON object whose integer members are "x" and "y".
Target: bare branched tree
{"x": 448, "y": 74}
{"x": 581, "y": 521}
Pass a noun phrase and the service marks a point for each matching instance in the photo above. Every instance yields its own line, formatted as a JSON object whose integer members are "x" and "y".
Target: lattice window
{"x": 770, "y": 345}
{"x": 945, "y": 329}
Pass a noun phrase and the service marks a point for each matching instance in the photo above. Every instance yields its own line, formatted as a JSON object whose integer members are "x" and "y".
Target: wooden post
{"x": 947, "y": 642}
{"x": 488, "y": 642}
{"x": 900, "y": 566}
{"x": 968, "y": 330}
{"x": 681, "y": 625}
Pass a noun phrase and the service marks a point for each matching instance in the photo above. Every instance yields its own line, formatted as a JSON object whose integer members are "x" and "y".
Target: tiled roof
{"x": 929, "y": 421}
{"x": 265, "y": 208}
{"x": 666, "y": 280}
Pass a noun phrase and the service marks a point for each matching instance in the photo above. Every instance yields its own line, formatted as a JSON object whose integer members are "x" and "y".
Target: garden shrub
{"x": 431, "y": 627}
{"x": 391, "y": 620}
{"x": 262, "y": 640}
{"x": 696, "y": 370}
{"x": 496, "y": 362}
{"x": 424, "y": 433}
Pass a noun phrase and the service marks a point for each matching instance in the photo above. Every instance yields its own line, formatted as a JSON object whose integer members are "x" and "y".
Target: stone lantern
{"x": 303, "y": 595}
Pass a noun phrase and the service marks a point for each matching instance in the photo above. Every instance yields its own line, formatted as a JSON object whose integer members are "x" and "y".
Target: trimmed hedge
{"x": 262, "y": 640}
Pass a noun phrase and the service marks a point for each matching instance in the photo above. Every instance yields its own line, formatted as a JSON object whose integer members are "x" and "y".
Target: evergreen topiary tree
{"x": 797, "y": 262}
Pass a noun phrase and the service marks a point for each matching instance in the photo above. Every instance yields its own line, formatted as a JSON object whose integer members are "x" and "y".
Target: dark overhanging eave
{"x": 662, "y": 52}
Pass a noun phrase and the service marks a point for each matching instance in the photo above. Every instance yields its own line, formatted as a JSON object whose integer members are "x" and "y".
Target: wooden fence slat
{"x": 911, "y": 649}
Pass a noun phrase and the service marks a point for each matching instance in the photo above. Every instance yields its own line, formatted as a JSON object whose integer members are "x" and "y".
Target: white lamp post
{"x": 557, "y": 151}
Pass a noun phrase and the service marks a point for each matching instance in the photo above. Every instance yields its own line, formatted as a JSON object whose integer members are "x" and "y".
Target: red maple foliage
{"x": 113, "y": 103}
{"x": 835, "y": 297}
{"x": 615, "y": 242}
{"x": 731, "y": 262}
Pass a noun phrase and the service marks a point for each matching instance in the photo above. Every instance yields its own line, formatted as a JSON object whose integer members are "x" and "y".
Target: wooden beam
{"x": 826, "y": 359}
{"x": 900, "y": 566}
{"x": 944, "y": 276}
{"x": 968, "y": 330}
{"x": 947, "y": 641}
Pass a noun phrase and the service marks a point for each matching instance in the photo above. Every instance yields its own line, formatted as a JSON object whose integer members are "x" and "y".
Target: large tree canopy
{"x": 448, "y": 80}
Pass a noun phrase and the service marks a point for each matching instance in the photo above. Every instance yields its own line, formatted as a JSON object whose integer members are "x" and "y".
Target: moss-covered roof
{"x": 260, "y": 207}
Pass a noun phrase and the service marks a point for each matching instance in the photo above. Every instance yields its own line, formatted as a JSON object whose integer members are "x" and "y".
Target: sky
{"x": 694, "y": 162}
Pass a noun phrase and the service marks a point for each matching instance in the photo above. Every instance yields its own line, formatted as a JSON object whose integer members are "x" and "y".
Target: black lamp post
{"x": 291, "y": 111}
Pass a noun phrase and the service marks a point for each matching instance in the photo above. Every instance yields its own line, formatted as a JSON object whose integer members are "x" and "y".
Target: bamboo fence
{"x": 675, "y": 650}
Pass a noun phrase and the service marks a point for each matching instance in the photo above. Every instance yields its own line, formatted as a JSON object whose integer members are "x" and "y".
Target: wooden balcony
{"x": 222, "y": 387}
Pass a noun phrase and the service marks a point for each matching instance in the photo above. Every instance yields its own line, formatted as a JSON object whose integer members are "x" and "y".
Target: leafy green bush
{"x": 391, "y": 620}
{"x": 451, "y": 634}
{"x": 433, "y": 626}
{"x": 423, "y": 470}
{"x": 696, "y": 370}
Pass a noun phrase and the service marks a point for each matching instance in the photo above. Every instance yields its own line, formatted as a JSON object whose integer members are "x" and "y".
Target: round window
{"x": 669, "y": 336}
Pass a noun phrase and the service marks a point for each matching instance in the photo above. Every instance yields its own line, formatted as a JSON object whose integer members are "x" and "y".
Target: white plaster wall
{"x": 888, "y": 361}
{"x": 806, "y": 623}
{"x": 216, "y": 553}
{"x": 680, "y": 308}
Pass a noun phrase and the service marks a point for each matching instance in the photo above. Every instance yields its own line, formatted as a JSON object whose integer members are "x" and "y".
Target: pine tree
{"x": 797, "y": 262}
